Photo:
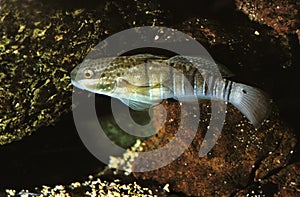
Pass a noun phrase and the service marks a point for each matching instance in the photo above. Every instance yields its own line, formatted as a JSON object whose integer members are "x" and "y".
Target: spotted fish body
{"x": 141, "y": 81}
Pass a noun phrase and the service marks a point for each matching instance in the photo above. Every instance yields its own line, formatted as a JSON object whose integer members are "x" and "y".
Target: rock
{"x": 242, "y": 46}
{"x": 40, "y": 44}
{"x": 93, "y": 186}
{"x": 243, "y": 156}
{"x": 285, "y": 182}
{"x": 283, "y": 16}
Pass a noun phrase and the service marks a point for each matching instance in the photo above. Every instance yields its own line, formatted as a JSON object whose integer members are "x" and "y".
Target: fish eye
{"x": 88, "y": 73}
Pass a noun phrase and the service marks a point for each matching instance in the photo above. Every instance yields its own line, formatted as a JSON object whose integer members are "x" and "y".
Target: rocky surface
{"x": 242, "y": 45}
{"x": 93, "y": 187}
{"x": 40, "y": 44}
{"x": 244, "y": 160}
{"x": 283, "y": 16}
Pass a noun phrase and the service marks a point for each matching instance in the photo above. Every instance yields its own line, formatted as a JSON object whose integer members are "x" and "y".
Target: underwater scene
{"x": 149, "y": 98}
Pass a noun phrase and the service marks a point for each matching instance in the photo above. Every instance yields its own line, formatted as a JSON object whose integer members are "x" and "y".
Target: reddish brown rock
{"x": 285, "y": 182}
{"x": 242, "y": 162}
{"x": 241, "y": 45}
{"x": 282, "y": 15}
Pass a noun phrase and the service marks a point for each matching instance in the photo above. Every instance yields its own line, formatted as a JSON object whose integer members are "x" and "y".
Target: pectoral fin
{"x": 142, "y": 97}
{"x": 138, "y": 106}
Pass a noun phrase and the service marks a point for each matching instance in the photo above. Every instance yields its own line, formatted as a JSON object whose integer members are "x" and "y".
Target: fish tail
{"x": 252, "y": 102}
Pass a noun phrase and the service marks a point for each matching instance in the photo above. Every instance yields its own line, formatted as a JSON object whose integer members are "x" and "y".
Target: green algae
{"x": 40, "y": 45}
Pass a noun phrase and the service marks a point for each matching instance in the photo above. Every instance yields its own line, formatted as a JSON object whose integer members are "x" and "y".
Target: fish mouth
{"x": 75, "y": 80}
{"x": 77, "y": 85}
{"x": 73, "y": 74}
{"x": 87, "y": 84}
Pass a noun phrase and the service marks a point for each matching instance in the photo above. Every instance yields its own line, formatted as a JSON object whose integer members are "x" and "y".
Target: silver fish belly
{"x": 142, "y": 81}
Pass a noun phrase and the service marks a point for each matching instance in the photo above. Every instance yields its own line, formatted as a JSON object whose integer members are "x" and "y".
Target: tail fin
{"x": 252, "y": 102}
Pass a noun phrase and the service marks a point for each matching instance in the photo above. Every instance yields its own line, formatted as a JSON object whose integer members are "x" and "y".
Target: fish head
{"x": 119, "y": 77}
{"x": 94, "y": 76}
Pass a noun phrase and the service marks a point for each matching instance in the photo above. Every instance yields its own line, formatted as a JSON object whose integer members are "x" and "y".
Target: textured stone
{"x": 242, "y": 45}
{"x": 40, "y": 43}
{"x": 282, "y": 15}
{"x": 243, "y": 156}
